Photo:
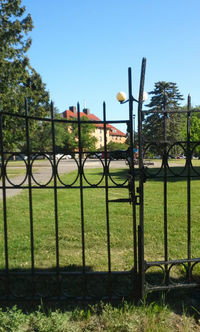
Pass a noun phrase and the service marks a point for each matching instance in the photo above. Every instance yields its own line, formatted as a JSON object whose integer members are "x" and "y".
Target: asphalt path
{"x": 42, "y": 173}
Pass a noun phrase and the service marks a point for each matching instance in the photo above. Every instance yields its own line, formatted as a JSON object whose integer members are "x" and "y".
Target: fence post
{"x": 141, "y": 184}
{"x": 30, "y": 196}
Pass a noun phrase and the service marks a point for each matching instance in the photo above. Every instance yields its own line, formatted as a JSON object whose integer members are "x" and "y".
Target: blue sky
{"x": 83, "y": 48}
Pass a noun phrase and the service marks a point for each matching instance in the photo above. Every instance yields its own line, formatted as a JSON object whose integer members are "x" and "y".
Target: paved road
{"x": 42, "y": 172}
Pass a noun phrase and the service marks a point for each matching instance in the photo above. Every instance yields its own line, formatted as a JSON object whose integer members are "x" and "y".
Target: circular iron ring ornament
{"x": 3, "y": 287}
{"x": 77, "y": 175}
{"x": 26, "y": 170}
{"x": 71, "y": 285}
{"x": 46, "y": 286}
{"x": 148, "y": 171}
{"x": 20, "y": 286}
{"x": 191, "y": 162}
{"x": 197, "y": 277}
{"x": 32, "y": 173}
{"x": 103, "y": 172}
{"x": 170, "y": 168}
{"x": 150, "y": 280}
{"x": 111, "y": 176}
{"x": 178, "y": 280}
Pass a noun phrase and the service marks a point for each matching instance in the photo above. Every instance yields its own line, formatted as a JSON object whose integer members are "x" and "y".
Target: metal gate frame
{"x": 166, "y": 265}
{"x": 20, "y": 285}
{"x": 58, "y": 278}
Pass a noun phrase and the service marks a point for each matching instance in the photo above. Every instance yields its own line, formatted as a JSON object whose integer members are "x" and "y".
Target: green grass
{"x": 102, "y": 317}
{"x": 120, "y": 215}
{"x": 149, "y": 316}
{"x": 18, "y": 168}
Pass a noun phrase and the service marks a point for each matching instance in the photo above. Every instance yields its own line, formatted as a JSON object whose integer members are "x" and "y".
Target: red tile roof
{"x": 115, "y": 132}
{"x": 68, "y": 114}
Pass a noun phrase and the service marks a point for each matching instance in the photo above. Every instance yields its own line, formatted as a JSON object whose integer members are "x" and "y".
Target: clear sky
{"x": 83, "y": 48}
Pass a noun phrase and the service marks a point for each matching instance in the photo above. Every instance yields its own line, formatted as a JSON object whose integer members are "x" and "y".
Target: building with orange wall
{"x": 112, "y": 134}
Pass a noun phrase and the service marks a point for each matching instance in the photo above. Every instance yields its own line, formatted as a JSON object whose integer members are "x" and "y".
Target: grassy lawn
{"x": 69, "y": 220}
{"x": 104, "y": 317}
{"x": 154, "y": 317}
{"x": 18, "y": 168}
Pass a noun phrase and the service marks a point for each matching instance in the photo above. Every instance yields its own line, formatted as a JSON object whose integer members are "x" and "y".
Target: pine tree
{"x": 165, "y": 97}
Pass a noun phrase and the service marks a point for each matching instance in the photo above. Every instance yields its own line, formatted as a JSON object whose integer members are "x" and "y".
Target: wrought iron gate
{"x": 174, "y": 268}
{"x": 30, "y": 270}
{"x": 58, "y": 269}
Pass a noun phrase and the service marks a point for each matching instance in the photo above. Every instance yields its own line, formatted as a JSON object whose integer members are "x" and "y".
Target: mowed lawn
{"x": 95, "y": 225}
{"x": 181, "y": 313}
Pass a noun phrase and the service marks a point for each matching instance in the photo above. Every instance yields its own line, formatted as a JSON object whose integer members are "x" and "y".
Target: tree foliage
{"x": 18, "y": 80}
{"x": 112, "y": 146}
{"x": 87, "y": 139}
{"x": 165, "y": 96}
{"x": 194, "y": 129}
{"x": 66, "y": 136}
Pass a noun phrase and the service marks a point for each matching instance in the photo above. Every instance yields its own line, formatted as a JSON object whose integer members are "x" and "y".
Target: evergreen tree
{"x": 165, "y": 97}
{"x": 18, "y": 80}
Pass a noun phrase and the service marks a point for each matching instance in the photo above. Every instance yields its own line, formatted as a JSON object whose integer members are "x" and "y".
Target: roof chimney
{"x": 72, "y": 109}
{"x": 86, "y": 111}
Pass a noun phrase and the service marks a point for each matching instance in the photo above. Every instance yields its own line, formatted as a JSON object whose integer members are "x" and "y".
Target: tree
{"x": 194, "y": 129}
{"x": 18, "y": 80}
{"x": 165, "y": 96}
{"x": 87, "y": 139}
{"x": 41, "y": 139}
{"x": 112, "y": 146}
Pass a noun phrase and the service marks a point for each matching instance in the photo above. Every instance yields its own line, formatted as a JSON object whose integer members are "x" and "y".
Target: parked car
{"x": 181, "y": 157}
{"x": 95, "y": 155}
{"x": 118, "y": 154}
{"x": 21, "y": 156}
{"x": 63, "y": 156}
{"x": 59, "y": 156}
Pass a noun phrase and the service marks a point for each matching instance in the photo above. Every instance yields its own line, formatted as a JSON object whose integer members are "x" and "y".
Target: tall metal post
{"x": 141, "y": 185}
{"x": 132, "y": 183}
{"x": 188, "y": 165}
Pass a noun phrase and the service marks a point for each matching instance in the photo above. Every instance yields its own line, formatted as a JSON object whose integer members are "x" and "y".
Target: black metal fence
{"x": 51, "y": 253}
{"x": 181, "y": 268}
{"x": 26, "y": 272}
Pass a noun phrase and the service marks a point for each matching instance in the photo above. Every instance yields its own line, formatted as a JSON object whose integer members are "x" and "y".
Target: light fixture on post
{"x": 139, "y": 268}
{"x": 122, "y": 98}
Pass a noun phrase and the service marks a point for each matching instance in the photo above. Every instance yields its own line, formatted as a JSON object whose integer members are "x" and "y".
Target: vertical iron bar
{"x": 188, "y": 161}
{"x": 132, "y": 177}
{"x": 30, "y": 196}
{"x": 141, "y": 183}
{"x": 106, "y": 196}
{"x": 4, "y": 205}
{"x": 165, "y": 196}
{"x": 55, "y": 198}
{"x": 81, "y": 199}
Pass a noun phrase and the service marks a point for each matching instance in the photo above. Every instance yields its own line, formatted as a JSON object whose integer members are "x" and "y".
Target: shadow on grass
{"x": 173, "y": 174}
{"x": 79, "y": 292}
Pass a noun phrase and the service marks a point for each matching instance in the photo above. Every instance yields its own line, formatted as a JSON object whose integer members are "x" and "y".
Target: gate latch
{"x": 135, "y": 199}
